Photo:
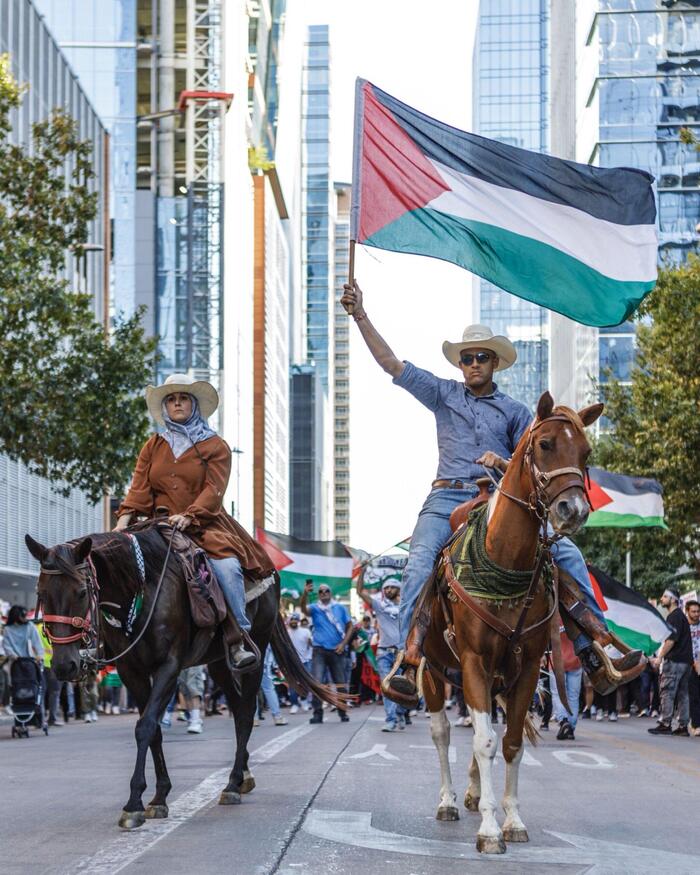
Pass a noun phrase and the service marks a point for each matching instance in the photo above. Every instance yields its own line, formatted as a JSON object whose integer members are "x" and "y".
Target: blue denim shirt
{"x": 467, "y": 425}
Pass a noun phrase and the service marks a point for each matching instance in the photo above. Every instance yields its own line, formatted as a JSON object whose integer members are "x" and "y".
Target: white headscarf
{"x": 183, "y": 435}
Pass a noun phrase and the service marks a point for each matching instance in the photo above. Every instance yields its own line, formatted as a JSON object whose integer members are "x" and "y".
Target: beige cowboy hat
{"x": 206, "y": 395}
{"x": 482, "y": 337}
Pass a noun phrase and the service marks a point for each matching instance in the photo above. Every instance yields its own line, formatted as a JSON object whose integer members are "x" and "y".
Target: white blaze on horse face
{"x": 485, "y": 743}
{"x": 440, "y": 733}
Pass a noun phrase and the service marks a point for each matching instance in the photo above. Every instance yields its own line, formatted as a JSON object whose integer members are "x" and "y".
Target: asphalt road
{"x": 344, "y": 798}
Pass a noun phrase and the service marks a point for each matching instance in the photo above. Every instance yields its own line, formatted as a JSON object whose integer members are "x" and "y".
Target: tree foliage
{"x": 70, "y": 408}
{"x": 656, "y": 430}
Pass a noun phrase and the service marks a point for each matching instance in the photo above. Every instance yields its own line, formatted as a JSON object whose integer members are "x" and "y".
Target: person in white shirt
{"x": 301, "y": 639}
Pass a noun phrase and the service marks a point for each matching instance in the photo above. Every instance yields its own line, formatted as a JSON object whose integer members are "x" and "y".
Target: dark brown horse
{"x": 555, "y": 445}
{"x": 82, "y": 580}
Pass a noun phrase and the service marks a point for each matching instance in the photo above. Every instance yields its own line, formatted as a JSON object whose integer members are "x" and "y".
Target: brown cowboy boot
{"x": 605, "y": 673}
{"x": 402, "y": 688}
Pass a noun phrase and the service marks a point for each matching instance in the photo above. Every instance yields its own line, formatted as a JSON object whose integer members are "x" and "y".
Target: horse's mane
{"x": 113, "y": 554}
{"x": 576, "y": 420}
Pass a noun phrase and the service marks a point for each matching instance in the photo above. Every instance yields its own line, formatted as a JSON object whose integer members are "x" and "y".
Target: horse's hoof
{"x": 490, "y": 844}
{"x": 447, "y": 813}
{"x": 515, "y": 834}
{"x": 156, "y": 812}
{"x": 471, "y": 803}
{"x": 247, "y": 784}
{"x": 132, "y": 819}
{"x": 229, "y": 797}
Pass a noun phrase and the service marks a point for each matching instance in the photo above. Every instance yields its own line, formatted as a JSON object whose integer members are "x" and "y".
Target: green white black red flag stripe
{"x": 577, "y": 239}
{"x": 619, "y": 501}
{"x": 297, "y": 560}
{"x": 628, "y": 613}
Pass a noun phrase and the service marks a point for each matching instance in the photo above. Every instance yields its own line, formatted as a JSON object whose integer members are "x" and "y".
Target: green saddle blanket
{"x": 474, "y": 570}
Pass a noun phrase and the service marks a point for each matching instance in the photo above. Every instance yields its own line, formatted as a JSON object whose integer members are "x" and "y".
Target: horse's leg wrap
{"x": 513, "y": 828}
{"x": 440, "y": 733}
{"x": 489, "y": 839}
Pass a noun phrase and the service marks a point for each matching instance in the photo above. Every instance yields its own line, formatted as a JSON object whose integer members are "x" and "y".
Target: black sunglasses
{"x": 323, "y": 589}
{"x": 481, "y": 357}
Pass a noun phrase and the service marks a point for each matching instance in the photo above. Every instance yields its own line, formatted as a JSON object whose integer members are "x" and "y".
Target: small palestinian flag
{"x": 619, "y": 501}
{"x": 574, "y": 238}
{"x": 629, "y": 614}
{"x": 297, "y": 560}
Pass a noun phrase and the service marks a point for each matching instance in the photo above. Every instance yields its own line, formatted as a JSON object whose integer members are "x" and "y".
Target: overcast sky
{"x": 421, "y": 53}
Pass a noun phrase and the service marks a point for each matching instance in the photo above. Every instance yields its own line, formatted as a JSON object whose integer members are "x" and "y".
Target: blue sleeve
{"x": 313, "y": 610}
{"x": 346, "y": 616}
{"x": 421, "y": 384}
{"x": 519, "y": 423}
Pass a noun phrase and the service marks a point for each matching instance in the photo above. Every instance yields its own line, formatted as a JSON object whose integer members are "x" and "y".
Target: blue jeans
{"x": 228, "y": 573}
{"x": 293, "y": 695}
{"x": 267, "y": 685}
{"x": 385, "y": 660}
{"x": 432, "y": 532}
{"x": 572, "y": 685}
{"x": 328, "y": 660}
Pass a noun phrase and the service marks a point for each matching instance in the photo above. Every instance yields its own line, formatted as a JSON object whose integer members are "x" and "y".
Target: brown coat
{"x": 194, "y": 486}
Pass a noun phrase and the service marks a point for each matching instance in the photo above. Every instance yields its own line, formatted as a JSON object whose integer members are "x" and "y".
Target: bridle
{"x": 87, "y": 625}
{"x": 540, "y": 500}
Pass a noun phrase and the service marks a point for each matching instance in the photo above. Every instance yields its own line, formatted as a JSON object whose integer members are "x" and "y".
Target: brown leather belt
{"x": 452, "y": 484}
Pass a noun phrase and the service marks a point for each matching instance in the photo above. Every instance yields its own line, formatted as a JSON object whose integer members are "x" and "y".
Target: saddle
{"x": 460, "y": 514}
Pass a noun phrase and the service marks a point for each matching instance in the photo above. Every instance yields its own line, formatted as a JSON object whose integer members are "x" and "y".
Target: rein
{"x": 90, "y": 631}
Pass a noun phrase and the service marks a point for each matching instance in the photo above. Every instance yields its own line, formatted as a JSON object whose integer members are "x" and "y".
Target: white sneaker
{"x": 115, "y": 709}
{"x": 599, "y": 716}
{"x": 94, "y": 716}
{"x": 195, "y": 727}
{"x": 612, "y": 717}
{"x": 279, "y": 720}
{"x": 306, "y": 707}
{"x": 88, "y": 718}
{"x": 294, "y": 709}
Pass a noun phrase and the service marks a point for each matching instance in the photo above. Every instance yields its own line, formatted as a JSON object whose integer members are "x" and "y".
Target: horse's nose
{"x": 566, "y": 510}
{"x": 67, "y": 670}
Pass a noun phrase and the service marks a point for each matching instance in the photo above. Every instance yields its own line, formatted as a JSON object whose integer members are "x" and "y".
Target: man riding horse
{"x": 477, "y": 427}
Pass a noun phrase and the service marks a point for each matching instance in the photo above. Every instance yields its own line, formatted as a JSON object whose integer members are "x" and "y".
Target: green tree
{"x": 656, "y": 429}
{"x": 70, "y": 408}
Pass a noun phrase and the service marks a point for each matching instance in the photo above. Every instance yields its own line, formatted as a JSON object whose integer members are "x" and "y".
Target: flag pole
{"x": 628, "y": 561}
{"x": 351, "y": 271}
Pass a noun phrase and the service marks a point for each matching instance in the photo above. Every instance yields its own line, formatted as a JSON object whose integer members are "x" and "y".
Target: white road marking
{"x": 129, "y": 846}
{"x": 379, "y": 750}
{"x": 591, "y": 760}
{"x": 603, "y": 857}
{"x": 451, "y": 752}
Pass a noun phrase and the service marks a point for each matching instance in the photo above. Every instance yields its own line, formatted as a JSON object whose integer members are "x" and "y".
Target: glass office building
{"x": 317, "y": 204}
{"x": 98, "y": 37}
{"x": 511, "y": 104}
{"x": 641, "y": 94}
{"x": 29, "y": 503}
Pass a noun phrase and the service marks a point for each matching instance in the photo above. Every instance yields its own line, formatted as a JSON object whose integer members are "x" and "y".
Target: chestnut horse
{"x": 526, "y": 499}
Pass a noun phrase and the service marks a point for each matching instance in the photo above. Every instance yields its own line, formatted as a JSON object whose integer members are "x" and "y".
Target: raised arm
{"x": 380, "y": 349}
{"x": 303, "y": 602}
{"x": 361, "y": 591}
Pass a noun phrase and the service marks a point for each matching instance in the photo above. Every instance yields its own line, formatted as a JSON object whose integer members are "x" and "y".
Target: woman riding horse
{"x": 185, "y": 471}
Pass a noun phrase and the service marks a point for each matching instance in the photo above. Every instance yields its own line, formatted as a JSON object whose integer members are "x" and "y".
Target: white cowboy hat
{"x": 206, "y": 395}
{"x": 482, "y": 337}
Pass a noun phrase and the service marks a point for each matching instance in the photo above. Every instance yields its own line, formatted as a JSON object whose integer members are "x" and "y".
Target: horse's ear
{"x": 37, "y": 550}
{"x": 545, "y": 406}
{"x": 591, "y": 413}
{"x": 82, "y": 550}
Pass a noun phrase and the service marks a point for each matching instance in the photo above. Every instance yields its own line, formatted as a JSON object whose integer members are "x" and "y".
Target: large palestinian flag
{"x": 577, "y": 239}
{"x": 624, "y": 502}
{"x": 629, "y": 614}
{"x": 298, "y": 560}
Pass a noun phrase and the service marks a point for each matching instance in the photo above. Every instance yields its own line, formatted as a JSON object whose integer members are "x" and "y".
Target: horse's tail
{"x": 294, "y": 672}
{"x": 529, "y": 727}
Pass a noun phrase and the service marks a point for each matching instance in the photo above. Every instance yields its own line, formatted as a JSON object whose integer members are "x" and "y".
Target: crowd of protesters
{"x": 355, "y": 656}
